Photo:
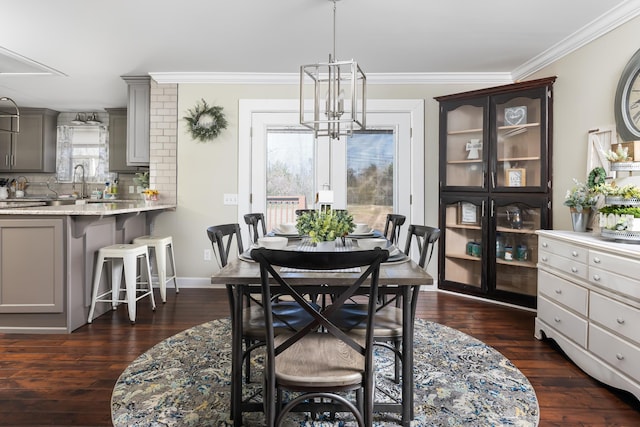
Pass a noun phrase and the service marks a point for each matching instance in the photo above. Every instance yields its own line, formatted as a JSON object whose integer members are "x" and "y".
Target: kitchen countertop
{"x": 100, "y": 208}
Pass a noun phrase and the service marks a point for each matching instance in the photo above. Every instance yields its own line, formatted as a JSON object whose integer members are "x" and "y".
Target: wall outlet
{"x": 230, "y": 199}
{"x": 207, "y": 254}
{"x": 131, "y": 189}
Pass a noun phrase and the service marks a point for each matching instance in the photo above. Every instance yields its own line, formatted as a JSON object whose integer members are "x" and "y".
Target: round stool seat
{"x": 123, "y": 250}
{"x": 161, "y": 245}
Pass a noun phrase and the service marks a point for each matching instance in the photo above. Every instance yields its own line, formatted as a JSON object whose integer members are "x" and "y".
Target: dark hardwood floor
{"x": 66, "y": 380}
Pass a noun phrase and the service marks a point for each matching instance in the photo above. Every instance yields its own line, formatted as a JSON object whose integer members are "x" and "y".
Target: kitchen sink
{"x": 60, "y": 202}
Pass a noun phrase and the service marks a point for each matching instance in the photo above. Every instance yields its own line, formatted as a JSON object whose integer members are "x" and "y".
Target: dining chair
{"x": 392, "y": 227}
{"x": 388, "y": 318}
{"x": 256, "y": 224}
{"x": 321, "y": 359}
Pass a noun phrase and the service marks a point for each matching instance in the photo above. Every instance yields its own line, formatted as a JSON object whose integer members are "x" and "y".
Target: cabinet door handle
{"x": 619, "y": 356}
{"x": 596, "y": 278}
{"x": 6, "y": 159}
{"x": 556, "y": 319}
{"x": 574, "y": 270}
{"x": 574, "y": 254}
{"x": 620, "y": 321}
{"x": 596, "y": 260}
{"x": 558, "y": 291}
{"x": 544, "y": 244}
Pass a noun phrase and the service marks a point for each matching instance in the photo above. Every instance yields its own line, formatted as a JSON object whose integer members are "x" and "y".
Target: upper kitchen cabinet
{"x": 496, "y": 139}
{"x": 118, "y": 141}
{"x": 138, "y": 118}
{"x": 33, "y": 149}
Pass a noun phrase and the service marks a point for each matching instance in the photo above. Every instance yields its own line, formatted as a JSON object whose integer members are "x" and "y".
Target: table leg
{"x": 236, "y": 357}
{"x": 407, "y": 356}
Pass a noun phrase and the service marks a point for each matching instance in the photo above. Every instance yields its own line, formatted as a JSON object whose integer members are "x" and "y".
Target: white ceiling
{"x": 91, "y": 44}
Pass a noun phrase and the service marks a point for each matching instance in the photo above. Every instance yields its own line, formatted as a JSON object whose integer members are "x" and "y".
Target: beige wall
{"x": 584, "y": 95}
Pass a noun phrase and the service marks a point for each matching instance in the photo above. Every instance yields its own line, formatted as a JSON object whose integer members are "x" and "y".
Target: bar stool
{"x": 122, "y": 257}
{"x": 161, "y": 245}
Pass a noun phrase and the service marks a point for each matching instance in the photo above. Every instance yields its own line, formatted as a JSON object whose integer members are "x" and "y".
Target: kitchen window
{"x": 86, "y": 146}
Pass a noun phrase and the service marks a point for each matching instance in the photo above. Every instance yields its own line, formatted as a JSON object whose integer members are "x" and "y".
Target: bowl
{"x": 288, "y": 228}
{"x": 273, "y": 242}
{"x": 372, "y": 243}
{"x": 362, "y": 228}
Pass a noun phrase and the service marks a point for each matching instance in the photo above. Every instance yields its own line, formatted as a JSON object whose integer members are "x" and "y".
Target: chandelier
{"x": 337, "y": 93}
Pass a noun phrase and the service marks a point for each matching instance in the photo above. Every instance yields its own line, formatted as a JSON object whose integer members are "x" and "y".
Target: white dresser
{"x": 589, "y": 303}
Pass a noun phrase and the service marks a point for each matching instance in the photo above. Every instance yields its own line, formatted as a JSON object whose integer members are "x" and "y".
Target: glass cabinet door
{"x": 519, "y": 162}
{"x": 464, "y": 241}
{"x": 516, "y": 244}
{"x": 464, "y": 150}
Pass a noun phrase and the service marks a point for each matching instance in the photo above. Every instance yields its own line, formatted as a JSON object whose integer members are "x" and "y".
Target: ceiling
{"x": 86, "y": 46}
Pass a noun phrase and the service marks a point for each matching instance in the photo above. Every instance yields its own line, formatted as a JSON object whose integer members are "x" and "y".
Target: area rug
{"x": 459, "y": 381}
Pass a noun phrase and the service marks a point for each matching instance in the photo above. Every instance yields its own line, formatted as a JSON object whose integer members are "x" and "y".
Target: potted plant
{"x": 581, "y": 199}
{"x": 326, "y": 225}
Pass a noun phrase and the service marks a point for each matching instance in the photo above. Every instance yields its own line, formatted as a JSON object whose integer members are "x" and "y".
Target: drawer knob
{"x": 556, "y": 319}
{"x": 558, "y": 291}
{"x": 619, "y": 356}
{"x": 544, "y": 244}
{"x": 574, "y": 254}
{"x": 596, "y": 278}
{"x": 574, "y": 269}
{"x": 620, "y": 321}
{"x": 596, "y": 260}
{"x": 544, "y": 258}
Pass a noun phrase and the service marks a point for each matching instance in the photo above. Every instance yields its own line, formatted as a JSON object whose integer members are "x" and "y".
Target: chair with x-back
{"x": 320, "y": 359}
{"x": 392, "y": 227}
{"x": 257, "y": 226}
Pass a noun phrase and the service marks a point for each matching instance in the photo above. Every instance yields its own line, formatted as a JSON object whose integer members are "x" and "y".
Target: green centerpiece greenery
{"x": 580, "y": 196}
{"x": 325, "y": 226}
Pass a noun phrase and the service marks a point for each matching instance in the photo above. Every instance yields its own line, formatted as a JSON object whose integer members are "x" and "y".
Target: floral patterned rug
{"x": 459, "y": 381}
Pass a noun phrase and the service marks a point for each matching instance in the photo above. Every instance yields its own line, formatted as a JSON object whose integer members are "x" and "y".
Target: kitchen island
{"x": 47, "y": 257}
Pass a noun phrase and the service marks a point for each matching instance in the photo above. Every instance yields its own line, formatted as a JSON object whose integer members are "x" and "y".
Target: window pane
{"x": 370, "y": 175}
{"x": 290, "y": 174}
{"x": 85, "y": 146}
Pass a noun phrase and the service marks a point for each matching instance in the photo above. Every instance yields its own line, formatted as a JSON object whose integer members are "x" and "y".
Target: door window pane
{"x": 370, "y": 176}
{"x": 290, "y": 174}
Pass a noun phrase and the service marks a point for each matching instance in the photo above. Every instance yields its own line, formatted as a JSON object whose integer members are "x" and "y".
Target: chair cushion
{"x": 387, "y": 322}
{"x": 286, "y": 315}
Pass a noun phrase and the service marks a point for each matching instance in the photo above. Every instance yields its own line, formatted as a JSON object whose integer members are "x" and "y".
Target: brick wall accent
{"x": 163, "y": 157}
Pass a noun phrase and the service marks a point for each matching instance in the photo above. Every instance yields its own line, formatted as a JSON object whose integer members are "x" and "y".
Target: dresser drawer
{"x": 620, "y": 318}
{"x": 565, "y": 322}
{"x": 620, "y": 354}
{"x": 564, "y": 249}
{"x": 566, "y": 265}
{"x": 622, "y": 285}
{"x": 564, "y": 292}
{"x": 621, "y": 265}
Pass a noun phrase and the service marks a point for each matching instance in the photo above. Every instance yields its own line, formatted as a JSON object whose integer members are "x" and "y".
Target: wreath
{"x": 596, "y": 177}
{"x": 205, "y": 122}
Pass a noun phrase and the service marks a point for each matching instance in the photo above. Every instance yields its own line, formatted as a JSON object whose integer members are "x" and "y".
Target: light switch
{"x": 230, "y": 199}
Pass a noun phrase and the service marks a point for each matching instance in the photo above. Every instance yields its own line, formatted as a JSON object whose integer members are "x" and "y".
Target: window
{"x": 87, "y": 146}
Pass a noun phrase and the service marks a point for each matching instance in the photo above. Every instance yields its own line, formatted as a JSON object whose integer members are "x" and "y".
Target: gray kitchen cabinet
{"x": 32, "y": 259}
{"x": 138, "y": 118}
{"x": 33, "y": 149}
{"x": 118, "y": 141}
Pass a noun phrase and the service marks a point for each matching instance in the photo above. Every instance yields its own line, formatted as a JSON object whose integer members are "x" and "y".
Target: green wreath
{"x": 209, "y": 129}
{"x": 596, "y": 177}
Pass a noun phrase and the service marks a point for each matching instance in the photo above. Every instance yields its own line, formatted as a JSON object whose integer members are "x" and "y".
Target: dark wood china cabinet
{"x": 495, "y": 189}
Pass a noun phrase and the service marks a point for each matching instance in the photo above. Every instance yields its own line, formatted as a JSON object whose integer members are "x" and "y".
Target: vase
{"x": 580, "y": 219}
{"x": 329, "y": 246}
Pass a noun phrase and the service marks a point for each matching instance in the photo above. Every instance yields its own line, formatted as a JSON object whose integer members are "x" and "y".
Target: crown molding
{"x": 294, "y": 78}
{"x": 615, "y": 17}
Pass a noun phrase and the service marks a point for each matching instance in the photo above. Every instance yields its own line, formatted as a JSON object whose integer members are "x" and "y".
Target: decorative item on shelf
{"x": 473, "y": 147}
{"x": 327, "y": 225}
{"x": 150, "y": 195}
{"x": 468, "y": 213}
{"x": 516, "y": 177}
{"x": 141, "y": 180}
{"x": 581, "y": 199}
{"x": 205, "y": 122}
{"x": 514, "y": 116}
{"x": 620, "y": 155}
{"x": 514, "y": 217}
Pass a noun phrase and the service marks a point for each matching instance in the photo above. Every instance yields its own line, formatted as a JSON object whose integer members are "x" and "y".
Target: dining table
{"x": 400, "y": 276}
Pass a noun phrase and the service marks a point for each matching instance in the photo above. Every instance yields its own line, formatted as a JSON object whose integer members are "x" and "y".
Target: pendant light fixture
{"x": 337, "y": 93}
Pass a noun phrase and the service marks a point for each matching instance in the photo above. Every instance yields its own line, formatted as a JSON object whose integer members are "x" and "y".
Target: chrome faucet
{"x": 84, "y": 182}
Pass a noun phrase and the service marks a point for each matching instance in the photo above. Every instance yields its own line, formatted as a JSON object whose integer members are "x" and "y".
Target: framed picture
{"x": 515, "y": 177}
{"x": 468, "y": 213}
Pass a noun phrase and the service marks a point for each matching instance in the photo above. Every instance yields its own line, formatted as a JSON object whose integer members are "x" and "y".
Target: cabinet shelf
{"x": 518, "y": 159}
{"x": 518, "y": 127}
{"x": 464, "y": 226}
{"x": 464, "y": 131}
{"x": 464, "y": 256}
{"x": 515, "y": 230}
{"x": 452, "y": 162}
{"x": 514, "y": 263}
